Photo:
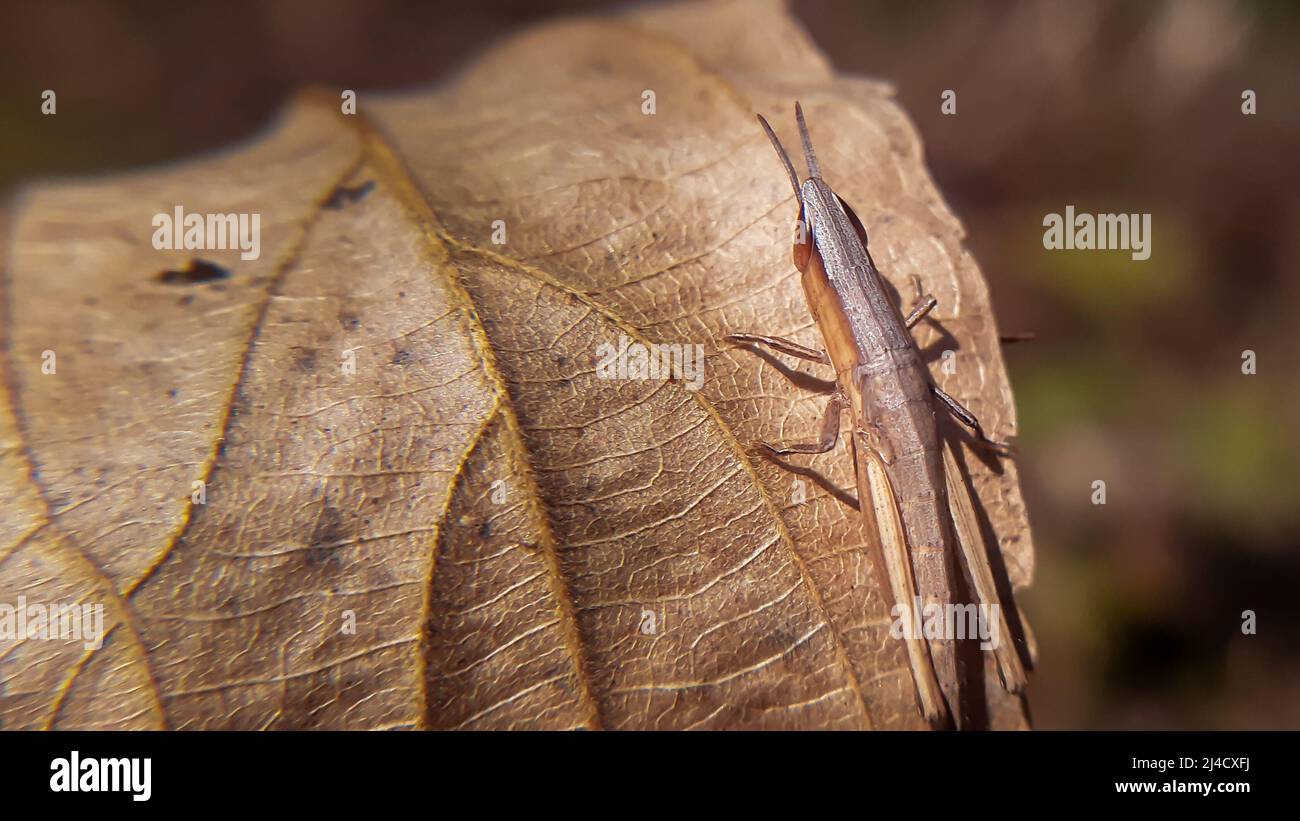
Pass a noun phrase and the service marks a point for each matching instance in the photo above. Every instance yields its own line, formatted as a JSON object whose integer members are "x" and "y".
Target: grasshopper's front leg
{"x": 830, "y": 430}
{"x": 785, "y": 346}
{"x": 918, "y": 313}
{"x": 969, "y": 419}
{"x": 924, "y": 304}
{"x": 830, "y": 418}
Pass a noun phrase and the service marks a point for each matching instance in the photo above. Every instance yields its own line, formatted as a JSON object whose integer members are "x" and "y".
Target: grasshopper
{"x": 908, "y": 483}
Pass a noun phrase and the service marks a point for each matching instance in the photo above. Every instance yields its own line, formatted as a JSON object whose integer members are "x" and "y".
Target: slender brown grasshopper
{"x": 908, "y": 482}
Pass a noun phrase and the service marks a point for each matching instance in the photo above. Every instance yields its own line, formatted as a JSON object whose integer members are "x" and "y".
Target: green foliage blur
{"x": 1136, "y": 375}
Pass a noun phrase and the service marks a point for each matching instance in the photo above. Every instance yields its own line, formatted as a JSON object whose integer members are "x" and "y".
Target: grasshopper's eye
{"x": 802, "y": 249}
{"x": 853, "y": 219}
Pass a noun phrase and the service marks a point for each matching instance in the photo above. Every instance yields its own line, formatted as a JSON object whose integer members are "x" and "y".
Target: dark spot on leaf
{"x": 344, "y": 195}
{"x": 198, "y": 272}
{"x": 349, "y": 321}
{"x": 172, "y": 393}
{"x": 304, "y": 359}
{"x": 326, "y": 537}
{"x": 401, "y": 357}
{"x": 188, "y": 299}
{"x": 485, "y": 530}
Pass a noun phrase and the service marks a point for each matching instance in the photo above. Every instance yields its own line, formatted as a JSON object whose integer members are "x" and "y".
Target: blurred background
{"x": 1135, "y": 377}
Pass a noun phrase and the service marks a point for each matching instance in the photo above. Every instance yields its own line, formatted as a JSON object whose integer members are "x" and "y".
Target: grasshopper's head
{"x": 813, "y": 189}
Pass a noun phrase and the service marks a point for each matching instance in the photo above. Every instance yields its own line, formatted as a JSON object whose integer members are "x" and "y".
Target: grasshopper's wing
{"x": 877, "y": 495}
{"x": 976, "y": 559}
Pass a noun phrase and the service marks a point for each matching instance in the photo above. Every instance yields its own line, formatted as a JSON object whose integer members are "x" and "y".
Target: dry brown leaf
{"x": 502, "y": 524}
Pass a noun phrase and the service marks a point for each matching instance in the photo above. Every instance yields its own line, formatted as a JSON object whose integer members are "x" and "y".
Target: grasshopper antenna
{"x": 814, "y": 170}
{"x": 780, "y": 152}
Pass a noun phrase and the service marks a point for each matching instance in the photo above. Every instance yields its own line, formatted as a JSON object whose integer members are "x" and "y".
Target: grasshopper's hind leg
{"x": 971, "y": 547}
